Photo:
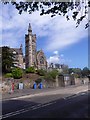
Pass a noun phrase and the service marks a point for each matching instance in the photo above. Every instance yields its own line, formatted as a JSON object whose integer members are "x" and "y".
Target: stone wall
{"x": 62, "y": 81}
{"x": 79, "y": 81}
{"x": 4, "y": 87}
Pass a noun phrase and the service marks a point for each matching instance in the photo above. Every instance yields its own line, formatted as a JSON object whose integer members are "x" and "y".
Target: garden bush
{"x": 41, "y": 72}
{"x": 8, "y": 75}
{"x": 17, "y": 73}
{"x": 30, "y": 70}
{"x": 38, "y": 80}
{"x": 51, "y": 76}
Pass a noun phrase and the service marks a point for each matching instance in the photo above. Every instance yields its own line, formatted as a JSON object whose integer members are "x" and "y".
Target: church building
{"x": 33, "y": 57}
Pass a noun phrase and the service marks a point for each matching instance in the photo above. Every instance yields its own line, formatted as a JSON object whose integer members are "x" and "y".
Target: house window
{"x": 14, "y": 52}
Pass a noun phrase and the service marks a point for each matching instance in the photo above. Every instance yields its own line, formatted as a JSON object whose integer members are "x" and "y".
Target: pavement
{"x": 27, "y": 93}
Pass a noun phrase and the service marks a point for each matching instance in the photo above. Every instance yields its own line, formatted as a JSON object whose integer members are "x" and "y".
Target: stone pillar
{"x": 72, "y": 80}
{"x": 57, "y": 85}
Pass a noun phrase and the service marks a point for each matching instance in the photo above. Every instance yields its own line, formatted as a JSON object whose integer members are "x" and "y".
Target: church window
{"x": 41, "y": 60}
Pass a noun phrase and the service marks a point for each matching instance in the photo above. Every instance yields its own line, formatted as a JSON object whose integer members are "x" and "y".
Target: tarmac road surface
{"x": 49, "y": 106}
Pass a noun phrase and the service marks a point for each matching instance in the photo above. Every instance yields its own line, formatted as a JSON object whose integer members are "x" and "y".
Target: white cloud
{"x": 56, "y": 52}
{"x": 53, "y": 59}
{"x": 58, "y": 58}
{"x": 58, "y": 32}
{"x": 65, "y": 34}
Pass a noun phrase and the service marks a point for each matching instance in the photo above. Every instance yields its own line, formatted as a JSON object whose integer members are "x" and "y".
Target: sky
{"x": 60, "y": 40}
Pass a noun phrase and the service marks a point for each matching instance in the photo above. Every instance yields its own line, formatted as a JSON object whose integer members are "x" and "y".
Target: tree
{"x": 70, "y": 70}
{"x": 76, "y": 71}
{"x": 55, "y": 8}
{"x": 54, "y": 73}
{"x": 85, "y": 72}
{"x": 51, "y": 76}
{"x": 7, "y": 59}
{"x": 48, "y": 77}
{"x": 17, "y": 73}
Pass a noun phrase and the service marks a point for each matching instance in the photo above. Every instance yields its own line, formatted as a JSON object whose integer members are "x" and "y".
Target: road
{"x": 50, "y": 106}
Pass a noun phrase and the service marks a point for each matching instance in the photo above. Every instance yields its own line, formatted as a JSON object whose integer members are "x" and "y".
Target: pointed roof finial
{"x": 29, "y": 28}
{"x": 21, "y": 46}
{"x": 20, "y": 50}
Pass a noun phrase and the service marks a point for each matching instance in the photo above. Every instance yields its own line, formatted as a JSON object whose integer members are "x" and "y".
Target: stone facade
{"x": 30, "y": 48}
{"x": 18, "y": 57}
{"x": 41, "y": 60}
{"x": 32, "y": 56}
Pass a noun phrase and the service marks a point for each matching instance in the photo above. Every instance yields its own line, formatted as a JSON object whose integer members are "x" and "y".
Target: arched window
{"x": 41, "y": 60}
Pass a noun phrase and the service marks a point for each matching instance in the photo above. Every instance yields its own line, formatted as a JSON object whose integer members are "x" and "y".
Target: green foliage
{"x": 76, "y": 71}
{"x": 17, "y": 73}
{"x": 7, "y": 59}
{"x": 86, "y": 69}
{"x": 85, "y": 72}
{"x": 54, "y": 73}
{"x": 8, "y": 75}
{"x": 79, "y": 73}
{"x": 48, "y": 77}
{"x": 70, "y": 70}
{"x": 38, "y": 80}
{"x": 55, "y": 8}
{"x": 51, "y": 75}
{"x": 41, "y": 72}
{"x": 76, "y": 75}
{"x": 30, "y": 70}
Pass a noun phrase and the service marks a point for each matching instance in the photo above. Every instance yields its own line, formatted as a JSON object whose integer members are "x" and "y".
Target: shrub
{"x": 51, "y": 76}
{"x": 41, "y": 72}
{"x": 38, "y": 80}
{"x": 17, "y": 73}
{"x": 8, "y": 75}
{"x": 48, "y": 76}
{"x": 76, "y": 76}
{"x": 30, "y": 70}
{"x": 54, "y": 73}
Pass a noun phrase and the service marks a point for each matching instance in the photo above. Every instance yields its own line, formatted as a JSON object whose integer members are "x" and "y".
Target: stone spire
{"x": 20, "y": 50}
{"x": 21, "y": 46}
{"x": 29, "y": 29}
